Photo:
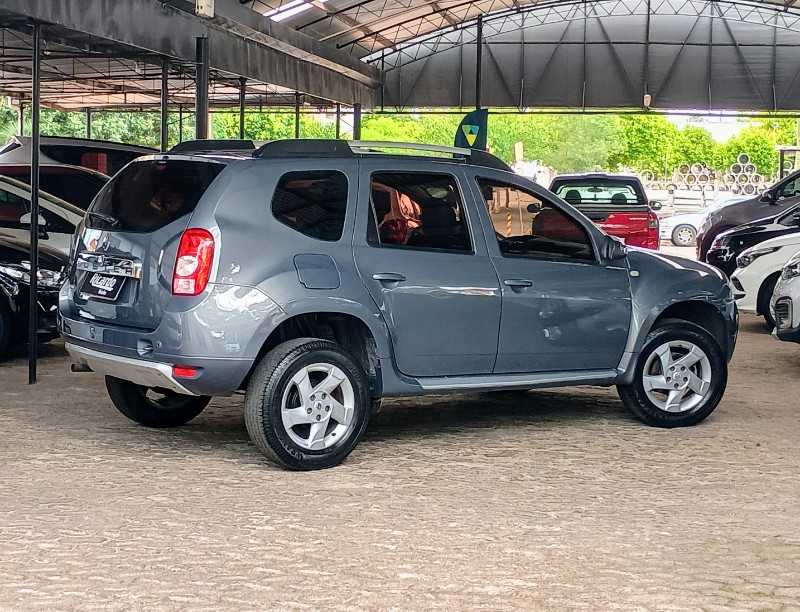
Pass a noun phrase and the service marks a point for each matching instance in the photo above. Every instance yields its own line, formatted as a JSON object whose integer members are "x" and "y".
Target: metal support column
{"x": 180, "y": 123}
{"x": 21, "y": 120}
{"x": 201, "y": 85}
{"x": 297, "y": 114}
{"x": 338, "y": 121}
{"x": 88, "y": 122}
{"x": 33, "y": 304}
{"x": 478, "y": 62}
{"x": 242, "y": 94}
{"x": 164, "y": 104}
{"x": 357, "y": 121}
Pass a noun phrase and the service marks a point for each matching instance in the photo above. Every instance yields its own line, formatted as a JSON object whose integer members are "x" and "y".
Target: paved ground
{"x": 550, "y": 500}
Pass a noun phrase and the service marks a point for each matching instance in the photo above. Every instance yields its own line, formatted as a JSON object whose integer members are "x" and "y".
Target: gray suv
{"x": 320, "y": 276}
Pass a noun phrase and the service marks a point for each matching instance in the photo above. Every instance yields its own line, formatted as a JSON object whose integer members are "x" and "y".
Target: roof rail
{"x": 308, "y": 147}
{"x": 209, "y": 144}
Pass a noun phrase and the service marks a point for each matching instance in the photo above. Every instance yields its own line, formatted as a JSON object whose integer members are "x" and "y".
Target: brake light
{"x": 193, "y": 264}
{"x": 652, "y": 221}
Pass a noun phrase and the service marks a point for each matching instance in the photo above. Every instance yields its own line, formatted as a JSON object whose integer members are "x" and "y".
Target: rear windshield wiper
{"x": 112, "y": 221}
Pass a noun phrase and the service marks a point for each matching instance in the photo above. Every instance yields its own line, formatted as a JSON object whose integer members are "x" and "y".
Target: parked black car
{"x": 730, "y": 244}
{"x": 15, "y": 281}
{"x": 782, "y": 195}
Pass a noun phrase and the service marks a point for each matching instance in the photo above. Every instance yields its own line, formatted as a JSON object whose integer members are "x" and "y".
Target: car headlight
{"x": 792, "y": 268}
{"x": 22, "y": 273}
{"x": 750, "y": 255}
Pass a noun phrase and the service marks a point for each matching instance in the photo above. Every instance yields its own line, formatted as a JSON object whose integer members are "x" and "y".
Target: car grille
{"x": 783, "y": 313}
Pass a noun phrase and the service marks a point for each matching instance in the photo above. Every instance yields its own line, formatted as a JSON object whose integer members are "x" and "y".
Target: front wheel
{"x": 153, "y": 407}
{"x": 307, "y": 404}
{"x": 684, "y": 235}
{"x": 680, "y": 376}
{"x": 764, "y": 298}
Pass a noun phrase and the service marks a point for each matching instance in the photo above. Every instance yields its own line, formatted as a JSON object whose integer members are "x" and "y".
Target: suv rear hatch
{"x": 618, "y": 205}
{"x": 124, "y": 255}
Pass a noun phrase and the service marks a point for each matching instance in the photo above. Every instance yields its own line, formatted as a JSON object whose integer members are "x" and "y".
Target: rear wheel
{"x": 684, "y": 235}
{"x": 307, "y": 404}
{"x": 154, "y": 407}
{"x": 764, "y": 297}
{"x": 680, "y": 376}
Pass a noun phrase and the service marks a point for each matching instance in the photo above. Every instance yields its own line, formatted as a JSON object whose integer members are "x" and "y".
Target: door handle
{"x": 389, "y": 277}
{"x": 518, "y": 283}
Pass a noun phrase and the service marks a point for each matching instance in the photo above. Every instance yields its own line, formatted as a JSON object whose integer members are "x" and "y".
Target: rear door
{"x": 427, "y": 268}
{"x": 126, "y": 248}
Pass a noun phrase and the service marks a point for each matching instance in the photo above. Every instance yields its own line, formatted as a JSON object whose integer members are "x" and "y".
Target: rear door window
{"x": 418, "y": 210}
{"x": 151, "y": 194}
{"x": 313, "y": 203}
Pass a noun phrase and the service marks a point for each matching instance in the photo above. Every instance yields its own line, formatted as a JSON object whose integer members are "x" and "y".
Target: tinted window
{"x": 12, "y": 207}
{"x": 528, "y": 226}
{"x": 149, "y": 195}
{"x": 77, "y": 189}
{"x": 107, "y": 161}
{"x": 418, "y": 210}
{"x": 789, "y": 190}
{"x": 312, "y": 203}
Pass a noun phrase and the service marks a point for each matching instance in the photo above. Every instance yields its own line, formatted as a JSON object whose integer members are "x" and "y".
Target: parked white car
{"x": 57, "y": 218}
{"x": 785, "y": 304}
{"x": 682, "y": 229}
{"x": 759, "y": 269}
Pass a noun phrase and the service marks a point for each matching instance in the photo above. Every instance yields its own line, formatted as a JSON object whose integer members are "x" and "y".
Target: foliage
{"x": 568, "y": 142}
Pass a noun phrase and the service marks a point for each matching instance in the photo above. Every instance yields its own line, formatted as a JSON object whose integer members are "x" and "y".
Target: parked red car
{"x": 617, "y": 203}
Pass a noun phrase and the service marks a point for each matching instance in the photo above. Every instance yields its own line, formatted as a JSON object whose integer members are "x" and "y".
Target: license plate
{"x": 102, "y": 286}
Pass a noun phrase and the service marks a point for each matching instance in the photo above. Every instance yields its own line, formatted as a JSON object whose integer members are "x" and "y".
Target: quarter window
{"x": 527, "y": 226}
{"x": 12, "y": 207}
{"x": 418, "y": 210}
{"x": 313, "y": 203}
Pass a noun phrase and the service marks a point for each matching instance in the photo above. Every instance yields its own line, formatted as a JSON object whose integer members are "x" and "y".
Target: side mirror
{"x": 655, "y": 205}
{"x": 534, "y": 208}
{"x": 614, "y": 249}
{"x": 26, "y": 220}
{"x": 767, "y": 197}
{"x": 796, "y": 218}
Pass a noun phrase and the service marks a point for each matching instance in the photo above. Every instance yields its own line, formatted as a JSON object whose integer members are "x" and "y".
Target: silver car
{"x": 785, "y": 303}
{"x": 319, "y": 276}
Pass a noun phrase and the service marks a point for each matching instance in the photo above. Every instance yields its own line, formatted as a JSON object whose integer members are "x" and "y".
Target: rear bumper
{"x": 147, "y": 373}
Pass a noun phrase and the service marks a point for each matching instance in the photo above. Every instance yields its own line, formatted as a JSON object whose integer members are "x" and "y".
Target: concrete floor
{"x": 550, "y": 500}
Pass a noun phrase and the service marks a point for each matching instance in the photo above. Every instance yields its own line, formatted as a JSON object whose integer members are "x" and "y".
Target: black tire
{"x": 764, "y": 297}
{"x": 635, "y": 397}
{"x": 263, "y": 404}
{"x": 5, "y": 331}
{"x": 684, "y": 235}
{"x": 169, "y": 410}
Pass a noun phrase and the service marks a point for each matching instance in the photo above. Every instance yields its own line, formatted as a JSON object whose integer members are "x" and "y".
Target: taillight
{"x": 652, "y": 221}
{"x": 193, "y": 264}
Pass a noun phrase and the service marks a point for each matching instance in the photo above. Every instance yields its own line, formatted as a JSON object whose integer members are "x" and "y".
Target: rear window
{"x": 107, "y": 161}
{"x": 313, "y": 203}
{"x": 149, "y": 195}
{"x": 597, "y": 191}
{"x": 77, "y": 187}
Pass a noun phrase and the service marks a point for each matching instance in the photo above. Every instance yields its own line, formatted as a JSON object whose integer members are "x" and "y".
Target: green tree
{"x": 694, "y": 145}
{"x": 645, "y": 143}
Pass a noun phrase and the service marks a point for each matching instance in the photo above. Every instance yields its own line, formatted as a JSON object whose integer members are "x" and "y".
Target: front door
{"x": 427, "y": 270}
{"x": 562, "y": 309}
